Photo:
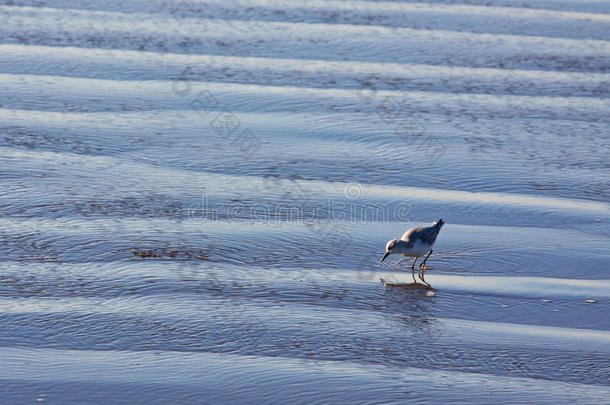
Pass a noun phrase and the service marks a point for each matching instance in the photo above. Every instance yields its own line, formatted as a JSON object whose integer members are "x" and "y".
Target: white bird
{"x": 415, "y": 242}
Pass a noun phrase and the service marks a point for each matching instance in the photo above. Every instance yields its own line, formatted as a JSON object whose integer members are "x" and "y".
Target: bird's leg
{"x": 421, "y": 266}
{"x": 421, "y": 277}
{"x": 413, "y": 271}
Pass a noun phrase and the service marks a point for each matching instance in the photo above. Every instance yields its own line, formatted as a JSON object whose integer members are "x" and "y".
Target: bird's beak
{"x": 384, "y": 256}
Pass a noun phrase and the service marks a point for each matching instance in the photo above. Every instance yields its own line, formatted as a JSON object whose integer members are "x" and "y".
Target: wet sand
{"x": 196, "y": 196}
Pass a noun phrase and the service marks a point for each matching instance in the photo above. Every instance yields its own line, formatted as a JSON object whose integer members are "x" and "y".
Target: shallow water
{"x": 196, "y": 196}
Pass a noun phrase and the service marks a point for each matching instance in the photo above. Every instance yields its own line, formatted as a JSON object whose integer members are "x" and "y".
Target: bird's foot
{"x": 424, "y": 281}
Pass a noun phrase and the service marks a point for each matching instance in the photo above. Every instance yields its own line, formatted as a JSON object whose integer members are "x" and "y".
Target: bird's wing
{"x": 428, "y": 235}
{"x": 411, "y": 234}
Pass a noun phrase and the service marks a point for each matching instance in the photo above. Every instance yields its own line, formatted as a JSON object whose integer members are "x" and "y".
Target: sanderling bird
{"x": 416, "y": 242}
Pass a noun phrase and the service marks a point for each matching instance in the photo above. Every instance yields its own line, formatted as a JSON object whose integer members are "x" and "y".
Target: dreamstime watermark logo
{"x": 367, "y": 92}
{"x": 353, "y": 190}
{"x": 347, "y": 211}
{"x": 408, "y": 126}
{"x": 219, "y": 117}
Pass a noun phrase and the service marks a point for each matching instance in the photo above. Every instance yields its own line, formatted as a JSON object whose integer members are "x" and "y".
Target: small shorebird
{"x": 416, "y": 242}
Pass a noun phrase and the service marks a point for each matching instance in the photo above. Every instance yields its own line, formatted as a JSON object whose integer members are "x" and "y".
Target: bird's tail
{"x": 439, "y": 224}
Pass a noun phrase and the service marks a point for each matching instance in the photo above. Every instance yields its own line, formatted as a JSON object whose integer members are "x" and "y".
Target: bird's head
{"x": 390, "y": 247}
